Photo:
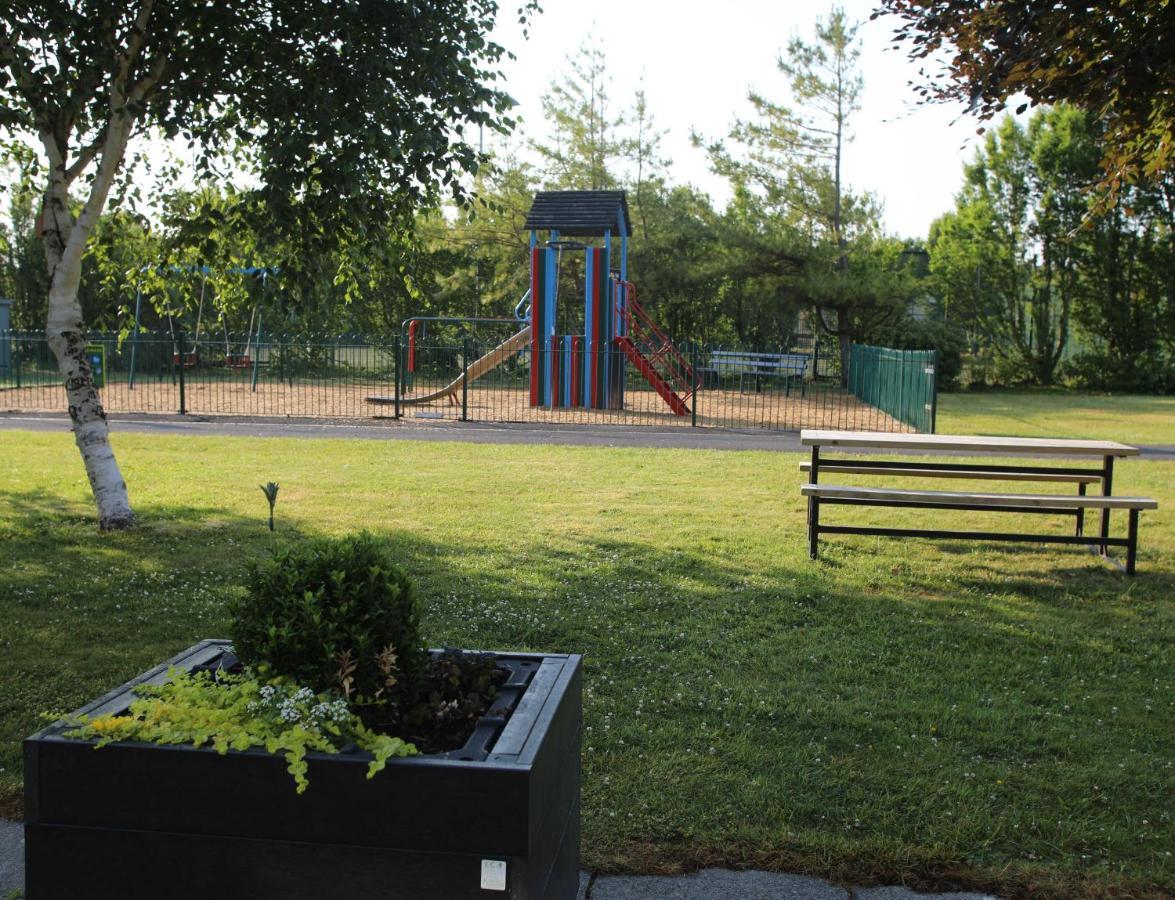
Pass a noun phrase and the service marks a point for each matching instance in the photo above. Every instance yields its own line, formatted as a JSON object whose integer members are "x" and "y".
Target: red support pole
{"x": 576, "y": 368}
{"x": 536, "y": 305}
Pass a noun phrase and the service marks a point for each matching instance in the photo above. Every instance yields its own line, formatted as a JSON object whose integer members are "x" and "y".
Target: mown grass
{"x": 1056, "y": 412}
{"x": 948, "y": 715}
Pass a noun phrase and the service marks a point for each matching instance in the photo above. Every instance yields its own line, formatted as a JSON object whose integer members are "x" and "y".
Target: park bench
{"x": 1058, "y": 468}
{"x": 788, "y": 367}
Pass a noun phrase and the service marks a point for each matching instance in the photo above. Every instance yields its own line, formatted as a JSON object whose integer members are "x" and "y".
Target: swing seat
{"x": 190, "y": 359}
{"x": 237, "y": 360}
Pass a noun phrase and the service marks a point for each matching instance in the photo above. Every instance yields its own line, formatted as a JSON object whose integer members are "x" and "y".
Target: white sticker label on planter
{"x": 493, "y": 874}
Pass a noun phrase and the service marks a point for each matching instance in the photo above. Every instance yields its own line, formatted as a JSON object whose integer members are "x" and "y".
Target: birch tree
{"x": 347, "y": 114}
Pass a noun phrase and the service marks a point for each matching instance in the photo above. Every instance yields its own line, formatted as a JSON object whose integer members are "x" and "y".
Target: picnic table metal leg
{"x": 813, "y": 526}
{"x": 814, "y": 505}
{"x": 1132, "y": 537}
{"x": 1080, "y": 511}
{"x": 1107, "y": 486}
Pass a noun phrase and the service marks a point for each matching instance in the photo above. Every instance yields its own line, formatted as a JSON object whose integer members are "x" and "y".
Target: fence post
{"x": 693, "y": 362}
{"x": 933, "y": 390}
{"x": 398, "y": 352}
{"x": 130, "y": 384}
{"x": 256, "y": 359}
{"x": 183, "y": 398}
{"x": 465, "y": 379}
{"x": 903, "y": 410}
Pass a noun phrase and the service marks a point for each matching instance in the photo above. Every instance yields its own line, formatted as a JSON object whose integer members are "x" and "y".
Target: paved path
{"x": 709, "y": 884}
{"x": 11, "y": 857}
{"x": 465, "y": 432}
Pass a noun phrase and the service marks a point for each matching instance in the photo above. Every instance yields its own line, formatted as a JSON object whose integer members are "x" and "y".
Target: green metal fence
{"x": 902, "y": 383}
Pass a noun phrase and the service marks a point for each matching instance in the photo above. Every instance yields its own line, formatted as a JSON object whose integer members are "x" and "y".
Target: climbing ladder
{"x": 655, "y": 356}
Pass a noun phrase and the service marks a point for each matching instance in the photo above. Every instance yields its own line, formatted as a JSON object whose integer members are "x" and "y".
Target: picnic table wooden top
{"x": 977, "y": 443}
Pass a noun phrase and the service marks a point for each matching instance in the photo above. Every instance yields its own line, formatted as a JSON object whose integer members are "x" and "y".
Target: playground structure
{"x": 583, "y": 369}
{"x": 543, "y": 364}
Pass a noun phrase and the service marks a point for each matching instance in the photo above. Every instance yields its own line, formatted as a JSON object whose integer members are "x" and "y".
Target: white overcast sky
{"x": 697, "y": 61}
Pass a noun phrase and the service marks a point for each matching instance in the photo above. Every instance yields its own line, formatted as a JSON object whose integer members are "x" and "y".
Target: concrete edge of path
{"x": 708, "y": 884}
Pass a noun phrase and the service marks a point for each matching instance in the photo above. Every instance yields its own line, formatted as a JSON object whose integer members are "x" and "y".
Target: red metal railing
{"x": 659, "y": 351}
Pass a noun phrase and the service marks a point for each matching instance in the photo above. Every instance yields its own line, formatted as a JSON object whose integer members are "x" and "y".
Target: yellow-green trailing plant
{"x": 236, "y": 712}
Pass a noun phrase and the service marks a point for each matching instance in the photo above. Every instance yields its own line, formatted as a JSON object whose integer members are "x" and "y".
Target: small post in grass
{"x": 270, "y": 491}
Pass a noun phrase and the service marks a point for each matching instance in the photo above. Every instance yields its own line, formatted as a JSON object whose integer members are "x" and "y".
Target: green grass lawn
{"x": 952, "y": 715}
{"x": 1056, "y": 412}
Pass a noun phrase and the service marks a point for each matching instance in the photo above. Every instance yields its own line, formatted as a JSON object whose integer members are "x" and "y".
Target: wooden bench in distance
{"x": 1054, "y": 504}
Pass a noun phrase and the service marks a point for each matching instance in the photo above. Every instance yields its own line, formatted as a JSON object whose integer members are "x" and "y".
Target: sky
{"x": 697, "y": 60}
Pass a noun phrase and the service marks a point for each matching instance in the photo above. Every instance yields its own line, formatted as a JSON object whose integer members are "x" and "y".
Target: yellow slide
{"x": 491, "y": 360}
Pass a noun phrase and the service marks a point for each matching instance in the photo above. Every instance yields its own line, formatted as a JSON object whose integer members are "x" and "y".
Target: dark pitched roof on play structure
{"x": 583, "y": 213}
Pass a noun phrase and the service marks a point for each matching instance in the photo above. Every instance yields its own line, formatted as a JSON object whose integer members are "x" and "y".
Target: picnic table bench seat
{"x": 926, "y": 472}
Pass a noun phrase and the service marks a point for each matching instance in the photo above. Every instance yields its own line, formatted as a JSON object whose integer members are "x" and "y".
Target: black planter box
{"x": 136, "y": 820}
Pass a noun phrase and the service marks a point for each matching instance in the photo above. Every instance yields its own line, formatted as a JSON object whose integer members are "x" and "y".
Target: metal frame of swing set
{"x": 189, "y": 359}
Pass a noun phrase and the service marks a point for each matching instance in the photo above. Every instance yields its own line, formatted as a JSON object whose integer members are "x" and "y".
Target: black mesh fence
{"x": 483, "y": 379}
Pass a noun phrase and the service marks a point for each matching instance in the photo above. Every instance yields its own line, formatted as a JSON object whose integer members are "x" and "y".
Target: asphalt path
{"x": 682, "y": 437}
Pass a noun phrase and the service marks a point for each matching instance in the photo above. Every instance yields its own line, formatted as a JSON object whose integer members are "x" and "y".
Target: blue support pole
{"x": 589, "y": 322}
{"x": 546, "y": 342}
{"x": 623, "y": 232}
{"x": 608, "y": 332}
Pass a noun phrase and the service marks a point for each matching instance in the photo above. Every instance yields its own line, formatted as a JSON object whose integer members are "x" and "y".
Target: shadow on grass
{"x": 850, "y": 701}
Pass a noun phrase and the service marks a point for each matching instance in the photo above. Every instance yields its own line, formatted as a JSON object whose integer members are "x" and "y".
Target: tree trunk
{"x": 67, "y": 339}
{"x": 90, "y": 430}
{"x": 65, "y": 243}
{"x": 844, "y": 340}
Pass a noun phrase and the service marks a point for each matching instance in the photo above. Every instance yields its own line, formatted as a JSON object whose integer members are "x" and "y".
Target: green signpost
{"x": 96, "y": 354}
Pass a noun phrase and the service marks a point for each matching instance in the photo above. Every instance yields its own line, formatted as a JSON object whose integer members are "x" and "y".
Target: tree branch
{"x": 85, "y": 157}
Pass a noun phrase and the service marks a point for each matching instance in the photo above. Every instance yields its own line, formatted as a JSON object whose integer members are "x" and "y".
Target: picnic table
{"x": 1064, "y": 460}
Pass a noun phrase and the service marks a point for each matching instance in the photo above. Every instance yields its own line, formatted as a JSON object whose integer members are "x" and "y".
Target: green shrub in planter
{"x": 334, "y": 614}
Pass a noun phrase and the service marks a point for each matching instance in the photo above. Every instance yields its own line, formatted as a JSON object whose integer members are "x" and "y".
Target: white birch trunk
{"x": 65, "y": 243}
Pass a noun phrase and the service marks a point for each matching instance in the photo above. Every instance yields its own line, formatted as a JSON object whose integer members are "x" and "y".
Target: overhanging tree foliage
{"x": 348, "y": 114}
{"x": 1109, "y": 57}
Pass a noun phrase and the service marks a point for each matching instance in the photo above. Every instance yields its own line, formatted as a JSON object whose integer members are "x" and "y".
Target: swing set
{"x": 236, "y": 357}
